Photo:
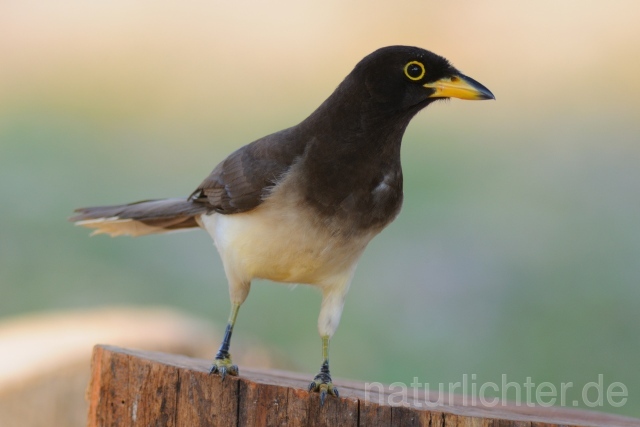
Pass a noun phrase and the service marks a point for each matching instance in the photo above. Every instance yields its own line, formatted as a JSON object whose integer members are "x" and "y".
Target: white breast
{"x": 285, "y": 240}
{"x": 283, "y": 243}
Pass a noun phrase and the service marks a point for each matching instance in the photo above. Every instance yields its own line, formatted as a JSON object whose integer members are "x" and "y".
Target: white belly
{"x": 283, "y": 244}
{"x": 285, "y": 240}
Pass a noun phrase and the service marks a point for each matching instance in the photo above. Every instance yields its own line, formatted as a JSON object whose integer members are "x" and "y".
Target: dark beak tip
{"x": 483, "y": 92}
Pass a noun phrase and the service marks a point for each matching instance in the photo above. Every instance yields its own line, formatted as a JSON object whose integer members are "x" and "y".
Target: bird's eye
{"x": 414, "y": 70}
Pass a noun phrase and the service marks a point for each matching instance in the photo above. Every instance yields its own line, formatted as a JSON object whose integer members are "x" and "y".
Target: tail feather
{"x": 141, "y": 218}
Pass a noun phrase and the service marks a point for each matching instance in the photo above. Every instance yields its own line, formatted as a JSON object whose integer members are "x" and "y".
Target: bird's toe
{"x": 322, "y": 384}
{"x": 224, "y": 367}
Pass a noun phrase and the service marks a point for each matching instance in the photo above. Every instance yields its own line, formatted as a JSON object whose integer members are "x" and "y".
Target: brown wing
{"x": 242, "y": 181}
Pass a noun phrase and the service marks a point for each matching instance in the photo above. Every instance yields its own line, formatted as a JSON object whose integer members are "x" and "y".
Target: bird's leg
{"x": 222, "y": 362}
{"x": 322, "y": 382}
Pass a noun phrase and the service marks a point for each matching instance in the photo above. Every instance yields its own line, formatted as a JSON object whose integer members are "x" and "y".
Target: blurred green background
{"x": 518, "y": 248}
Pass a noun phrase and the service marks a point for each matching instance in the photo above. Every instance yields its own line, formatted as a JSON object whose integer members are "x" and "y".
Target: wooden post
{"x": 141, "y": 388}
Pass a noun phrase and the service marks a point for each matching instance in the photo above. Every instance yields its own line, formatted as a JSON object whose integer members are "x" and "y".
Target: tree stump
{"x": 142, "y": 388}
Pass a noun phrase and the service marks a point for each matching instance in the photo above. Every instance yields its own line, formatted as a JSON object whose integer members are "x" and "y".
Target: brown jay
{"x": 300, "y": 205}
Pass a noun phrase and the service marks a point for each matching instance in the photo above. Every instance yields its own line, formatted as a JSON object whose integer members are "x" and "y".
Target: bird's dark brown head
{"x": 408, "y": 78}
{"x": 387, "y": 88}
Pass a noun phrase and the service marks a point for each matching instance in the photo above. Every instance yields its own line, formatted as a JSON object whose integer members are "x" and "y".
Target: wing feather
{"x": 244, "y": 179}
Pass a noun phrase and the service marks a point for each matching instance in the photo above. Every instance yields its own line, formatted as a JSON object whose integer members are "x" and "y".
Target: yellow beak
{"x": 459, "y": 86}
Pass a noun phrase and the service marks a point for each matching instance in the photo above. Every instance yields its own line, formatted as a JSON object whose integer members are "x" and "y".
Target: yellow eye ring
{"x": 410, "y": 70}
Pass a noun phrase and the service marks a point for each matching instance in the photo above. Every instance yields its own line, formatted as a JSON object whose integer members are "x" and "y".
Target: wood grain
{"x": 141, "y": 388}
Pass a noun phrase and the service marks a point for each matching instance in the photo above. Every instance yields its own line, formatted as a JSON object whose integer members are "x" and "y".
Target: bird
{"x": 300, "y": 205}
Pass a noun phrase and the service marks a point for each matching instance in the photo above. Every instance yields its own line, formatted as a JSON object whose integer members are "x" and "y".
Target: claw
{"x": 323, "y": 395}
{"x": 322, "y": 384}
{"x": 224, "y": 367}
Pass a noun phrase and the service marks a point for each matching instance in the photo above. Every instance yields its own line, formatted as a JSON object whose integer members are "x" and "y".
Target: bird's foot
{"x": 322, "y": 384}
{"x": 222, "y": 365}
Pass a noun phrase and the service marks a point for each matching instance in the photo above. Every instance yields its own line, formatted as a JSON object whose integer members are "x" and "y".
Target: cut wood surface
{"x": 142, "y": 388}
